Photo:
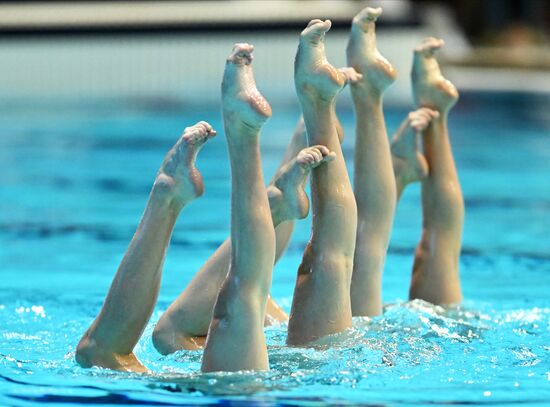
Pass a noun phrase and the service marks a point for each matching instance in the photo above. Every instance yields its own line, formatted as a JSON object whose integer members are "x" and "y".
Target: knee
{"x": 422, "y": 249}
{"x": 82, "y": 355}
{"x": 165, "y": 338}
{"x": 169, "y": 337}
{"x": 336, "y": 264}
{"x": 87, "y": 354}
{"x": 159, "y": 339}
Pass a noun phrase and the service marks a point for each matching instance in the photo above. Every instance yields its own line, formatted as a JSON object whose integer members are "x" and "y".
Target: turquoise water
{"x": 74, "y": 180}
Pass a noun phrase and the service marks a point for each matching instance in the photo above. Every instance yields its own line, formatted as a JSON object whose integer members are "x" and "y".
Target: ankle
{"x": 275, "y": 198}
{"x": 366, "y": 96}
{"x": 162, "y": 198}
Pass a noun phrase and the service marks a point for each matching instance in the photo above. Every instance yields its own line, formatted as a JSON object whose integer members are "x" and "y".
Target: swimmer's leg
{"x": 321, "y": 303}
{"x": 236, "y": 339}
{"x": 409, "y": 163}
{"x": 374, "y": 181}
{"x": 435, "y": 272}
{"x": 111, "y": 338}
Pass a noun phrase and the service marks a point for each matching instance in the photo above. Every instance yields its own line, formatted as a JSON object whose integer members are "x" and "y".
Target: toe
{"x": 241, "y": 53}
{"x": 308, "y": 157}
{"x": 429, "y": 114}
{"x": 315, "y": 30}
{"x": 429, "y": 46}
{"x": 311, "y": 156}
{"x": 318, "y": 155}
{"x": 367, "y": 15}
{"x": 329, "y": 157}
{"x": 206, "y": 130}
{"x": 419, "y": 124}
{"x": 207, "y": 127}
{"x": 350, "y": 75}
{"x": 372, "y": 13}
{"x": 323, "y": 149}
{"x": 200, "y": 130}
{"x": 189, "y": 133}
{"x": 314, "y": 21}
{"x": 434, "y": 114}
{"x": 422, "y": 113}
{"x": 197, "y": 133}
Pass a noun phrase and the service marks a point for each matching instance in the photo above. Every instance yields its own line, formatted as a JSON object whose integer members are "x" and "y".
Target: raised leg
{"x": 409, "y": 164}
{"x": 235, "y": 338}
{"x": 435, "y": 271}
{"x": 374, "y": 182}
{"x": 321, "y": 303}
{"x": 111, "y": 338}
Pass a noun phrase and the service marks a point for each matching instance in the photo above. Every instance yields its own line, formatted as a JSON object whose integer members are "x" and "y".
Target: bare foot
{"x": 430, "y": 88}
{"x": 287, "y": 197}
{"x": 178, "y": 179}
{"x": 378, "y": 73}
{"x": 351, "y": 76}
{"x": 242, "y": 102}
{"x": 409, "y": 163}
{"x": 314, "y": 76}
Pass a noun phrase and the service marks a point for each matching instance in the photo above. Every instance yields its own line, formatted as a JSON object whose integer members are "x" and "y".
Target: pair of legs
{"x": 235, "y": 339}
{"x": 378, "y": 185}
{"x": 435, "y": 271}
{"x": 435, "y": 275}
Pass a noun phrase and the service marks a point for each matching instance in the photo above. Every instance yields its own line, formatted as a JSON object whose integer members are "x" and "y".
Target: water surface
{"x": 74, "y": 181}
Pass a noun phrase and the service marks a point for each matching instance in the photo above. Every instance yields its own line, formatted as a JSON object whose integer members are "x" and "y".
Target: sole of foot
{"x": 178, "y": 180}
{"x": 430, "y": 88}
{"x": 287, "y": 197}
{"x": 409, "y": 162}
{"x": 314, "y": 75}
{"x": 242, "y": 102}
{"x": 363, "y": 55}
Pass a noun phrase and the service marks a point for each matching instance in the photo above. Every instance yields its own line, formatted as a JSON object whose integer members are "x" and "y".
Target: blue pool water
{"x": 74, "y": 180}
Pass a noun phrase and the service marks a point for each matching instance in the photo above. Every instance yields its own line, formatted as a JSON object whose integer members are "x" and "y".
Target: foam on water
{"x": 415, "y": 352}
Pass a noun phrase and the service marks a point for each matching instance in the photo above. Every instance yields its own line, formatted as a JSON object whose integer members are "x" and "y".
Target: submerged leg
{"x": 111, "y": 338}
{"x": 435, "y": 271}
{"x": 374, "y": 181}
{"x": 321, "y": 303}
{"x": 236, "y": 339}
